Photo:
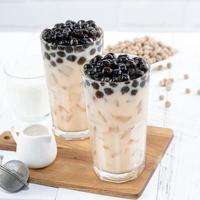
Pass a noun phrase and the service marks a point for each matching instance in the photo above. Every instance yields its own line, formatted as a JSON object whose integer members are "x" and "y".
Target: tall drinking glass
{"x": 117, "y": 116}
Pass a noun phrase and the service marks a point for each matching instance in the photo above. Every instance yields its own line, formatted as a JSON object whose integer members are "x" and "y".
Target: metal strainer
{"x": 13, "y": 175}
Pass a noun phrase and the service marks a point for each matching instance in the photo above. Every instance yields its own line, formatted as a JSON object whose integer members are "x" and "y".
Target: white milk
{"x": 27, "y": 91}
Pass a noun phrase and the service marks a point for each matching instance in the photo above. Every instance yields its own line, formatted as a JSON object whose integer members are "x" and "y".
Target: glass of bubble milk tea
{"x": 66, "y": 47}
{"x": 116, "y": 91}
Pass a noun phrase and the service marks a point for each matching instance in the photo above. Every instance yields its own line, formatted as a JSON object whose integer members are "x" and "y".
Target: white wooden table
{"x": 178, "y": 176}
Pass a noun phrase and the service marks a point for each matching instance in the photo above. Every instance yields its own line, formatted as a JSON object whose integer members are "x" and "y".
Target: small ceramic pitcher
{"x": 36, "y": 145}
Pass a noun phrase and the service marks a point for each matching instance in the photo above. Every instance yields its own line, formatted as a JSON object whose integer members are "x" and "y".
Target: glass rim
{"x": 21, "y": 77}
{"x": 64, "y": 46}
{"x": 122, "y": 82}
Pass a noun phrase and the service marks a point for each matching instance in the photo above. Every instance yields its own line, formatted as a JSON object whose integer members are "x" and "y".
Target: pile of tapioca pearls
{"x": 167, "y": 83}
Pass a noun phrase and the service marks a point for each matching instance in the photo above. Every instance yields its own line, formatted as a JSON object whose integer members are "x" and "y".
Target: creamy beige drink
{"x": 64, "y": 58}
{"x": 116, "y": 104}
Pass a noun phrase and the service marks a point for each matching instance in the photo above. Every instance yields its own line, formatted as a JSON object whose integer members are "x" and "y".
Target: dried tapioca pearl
{"x": 161, "y": 97}
{"x": 187, "y": 91}
{"x": 186, "y": 76}
{"x": 169, "y": 65}
{"x": 133, "y": 92}
{"x": 71, "y": 58}
{"x": 108, "y": 91}
{"x": 53, "y": 63}
{"x": 68, "y": 49}
{"x": 95, "y": 85}
{"x": 167, "y": 104}
{"x": 61, "y": 53}
{"x": 99, "y": 94}
{"x": 160, "y": 67}
{"x": 59, "y": 60}
{"x": 92, "y": 51}
{"x": 125, "y": 89}
{"x": 81, "y": 60}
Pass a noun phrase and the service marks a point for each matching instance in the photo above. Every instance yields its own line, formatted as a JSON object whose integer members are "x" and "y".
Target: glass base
{"x": 119, "y": 178}
{"x": 73, "y": 135}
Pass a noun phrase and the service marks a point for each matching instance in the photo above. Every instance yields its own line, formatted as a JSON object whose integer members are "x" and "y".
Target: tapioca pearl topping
{"x": 72, "y": 33}
{"x": 111, "y": 68}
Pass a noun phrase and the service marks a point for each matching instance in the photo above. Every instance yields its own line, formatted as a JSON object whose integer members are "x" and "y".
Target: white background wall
{"x": 119, "y": 15}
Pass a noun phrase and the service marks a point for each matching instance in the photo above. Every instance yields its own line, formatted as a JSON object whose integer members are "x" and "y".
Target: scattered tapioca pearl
{"x": 169, "y": 65}
{"x": 61, "y": 48}
{"x": 59, "y": 60}
{"x": 47, "y": 56}
{"x": 98, "y": 42}
{"x": 134, "y": 92}
{"x": 47, "y": 47}
{"x": 167, "y": 104}
{"x": 125, "y": 89}
{"x": 102, "y": 83}
{"x": 135, "y": 83}
{"x": 187, "y": 91}
{"x": 87, "y": 82}
{"x": 113, "y": 84}
{"x": 81, "y": 60}
{"x": 99, "y": 48}
{"x": 127, "y": 82}
{"x": 99, "y": 94}
{"x": 71, "y": 58}
{"x": 186, "y": 76}
{"x": 53, "y": 63}
{"x": 108, "y": 91}
{"x": 142, "y": 84}
{"x": 61, "y": 53}
{"x": 68, "y": 49}
{"x": 92, "y": 51}
{"x": 53, "y": 54}
{"x": 53, "y": 47}
{"x": 95, "y": 85}
{"x": 161, "y": 97}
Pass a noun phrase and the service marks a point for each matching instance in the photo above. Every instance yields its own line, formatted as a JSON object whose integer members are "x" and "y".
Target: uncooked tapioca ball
{"x": 186, "y": 76}
{"x": 187, "y": 91}
{"x": 167, "y": 104}
{"x": 169, "y": 65}
{"x": 161, "y": 97}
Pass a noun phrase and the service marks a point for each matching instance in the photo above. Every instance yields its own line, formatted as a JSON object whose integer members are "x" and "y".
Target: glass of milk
{"x": 26, "y": 89}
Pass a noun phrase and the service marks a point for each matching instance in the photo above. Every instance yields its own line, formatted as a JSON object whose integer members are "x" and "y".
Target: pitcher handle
{"x": 14, "y": 133}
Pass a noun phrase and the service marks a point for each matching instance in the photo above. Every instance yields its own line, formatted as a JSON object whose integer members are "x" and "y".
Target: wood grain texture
{"x": 73, "y": 166}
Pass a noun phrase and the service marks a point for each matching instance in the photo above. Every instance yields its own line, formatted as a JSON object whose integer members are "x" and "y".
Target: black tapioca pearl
{"x": 99, "y": 48}
{"x": 135, "y": 83}
{"x": 86, "y": 46}
{"x": 53, "y": 47}
{"x": 108, "y": 91}
{"x": 92, "y": 51}
{"x": 47, "y": 47}
{"x": 61, "y": 47}
{"x": 47, "y": 56}
{"x": 125, "y": 89}
{"x": 113, "y": 84}
{"x": 98, "y": 42}
{"x": 99, "y": 94}
{"x": 79, "y": 49}
{"x": 95, "y": 85}
{"x": 68, "y": 49}
{"x": 59, "y": 60}
{"x": 102, "y": 83}
{"x": 61, "y": 53}
{"x": 53, "y": 54}
{"x": 87, "y": 82}
{"x": 53, "y": 63}
{"x": 71, "y": 58}
{"x": 127, "y": 82}
{"x": 81, "y": 60}
{"x": 134, "y": 92}
{"x": 142, "y": 83}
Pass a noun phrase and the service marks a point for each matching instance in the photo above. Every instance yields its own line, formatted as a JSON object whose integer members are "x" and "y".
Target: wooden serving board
{"x": 73, "y": 166}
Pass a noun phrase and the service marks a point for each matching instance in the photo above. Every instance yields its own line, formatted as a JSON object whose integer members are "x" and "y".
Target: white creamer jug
{"x": 36, "y": 145}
